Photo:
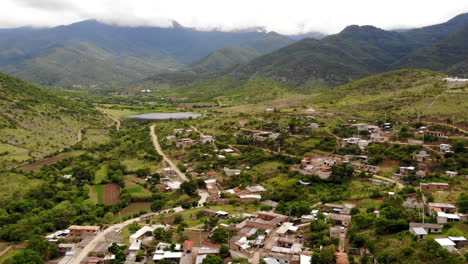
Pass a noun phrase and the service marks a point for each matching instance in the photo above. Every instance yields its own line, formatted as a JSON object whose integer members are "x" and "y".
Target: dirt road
{"x": 158, "y": 148}
{"x": 398, "y": 184}
{"x": 115, "y": 119}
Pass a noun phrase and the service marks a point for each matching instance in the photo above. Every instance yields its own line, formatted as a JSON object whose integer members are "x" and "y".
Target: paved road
{"x": 158, "y": 148}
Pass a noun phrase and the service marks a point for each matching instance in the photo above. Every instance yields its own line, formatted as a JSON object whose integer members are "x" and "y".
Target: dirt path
{"x": 115, "y": 119}
{"x": 79, "y": 137}
{"x": 158, "y": 148}
{"x": 398, "y": 184}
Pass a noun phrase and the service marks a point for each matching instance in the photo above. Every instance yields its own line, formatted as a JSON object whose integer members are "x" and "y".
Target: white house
{"x": 446, "y": 243}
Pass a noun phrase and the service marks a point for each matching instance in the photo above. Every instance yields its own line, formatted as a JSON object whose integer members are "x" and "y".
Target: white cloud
{"x": 285, "y": 16}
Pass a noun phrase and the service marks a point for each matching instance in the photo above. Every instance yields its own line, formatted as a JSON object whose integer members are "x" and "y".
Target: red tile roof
{"x": 188, "y": 244}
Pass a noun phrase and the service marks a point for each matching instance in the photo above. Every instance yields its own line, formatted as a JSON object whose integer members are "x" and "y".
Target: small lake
{"x": 165, "y": 116}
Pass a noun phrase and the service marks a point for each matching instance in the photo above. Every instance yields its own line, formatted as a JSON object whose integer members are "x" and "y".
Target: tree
{"x": 212, "y": 259}
{"x": 240, "y": 261}
{"x": 26, "y": 256}
{"x": 210, "y": 223}
{"x": 157, "y": 205}
{"x": 224, "y": 251}
{"x": 46, "y": 249}
{"x": 324, "y": 256}
{"x": 220, "y": 235}
{"x": 341, "y": 173}
{"x": 189, "y": 187}
{"x": 462, "y": 203}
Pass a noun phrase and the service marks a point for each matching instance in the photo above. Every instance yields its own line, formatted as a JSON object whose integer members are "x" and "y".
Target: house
{"x": 271, "y": 203}
{"x": 460, "y": 242}
{"x": 66, "y": 247}
{"x": 168, "y": 172}
{"x": 144, "y": 232}
{"x": 451, "y": 173}
{"x": 430, "y": 228}
{"x": 435, "y": 133}
{"x": 434, "y": 186}
{"x": 371, "y": 168}
{"x": 377, "y": 137}
{"x": 255, "y": 189}
{"x": 172, "y": 257}
{"x": 421, "y": 156}
{"x": 455, "y": 79}
{"x": 447, "y": 218}
{"x": 445, "y": 148}
{"x": 185, "y": 142}
{"x": 446, "y": 243}
{"x": 421, "y": 173}
{"x": 314, "y": 126}
{"x": 231, "y": 172}
{"x": 206, "y": 139}
{"x": 349, "y": 141}
{"x": 76, "y": 230}
{"x": 406, "y": 170}
{"x": 442, "y": 207}
{"x": 188, "y": 246}
{"x": 269, "y": 110}
{"x": 178, "y": 131}
{"x": 147, "y": 216}
{"x": 340, "y": 219}
{"x": 419, "y": 232}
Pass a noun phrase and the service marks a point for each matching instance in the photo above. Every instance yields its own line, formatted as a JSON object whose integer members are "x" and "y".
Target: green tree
{"x": 46, "y": 249}
{"x": 210, "y": 223}
{"x": 341, "y": 173}
{"x": 324, "y": 256}
{"x": 189, "y": 187}
{"x": 212, "y": 259}
{"x": 26, "y": 256}
{"x": 462, "y": 203}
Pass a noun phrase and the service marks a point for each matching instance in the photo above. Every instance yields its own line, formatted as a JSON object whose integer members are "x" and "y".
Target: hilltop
{"x": 402, "y": 92}
{"x": 35, "y": 122}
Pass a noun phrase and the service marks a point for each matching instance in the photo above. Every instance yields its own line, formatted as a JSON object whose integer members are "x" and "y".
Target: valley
{"x": 142, "y": 144}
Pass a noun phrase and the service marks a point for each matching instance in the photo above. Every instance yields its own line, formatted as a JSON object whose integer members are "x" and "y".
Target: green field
{"x": 10, "y": 254}
{"x": 97, "y": 193}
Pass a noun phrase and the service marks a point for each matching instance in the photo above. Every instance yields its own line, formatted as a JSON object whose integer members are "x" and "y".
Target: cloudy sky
{"x": 284, "y": 16}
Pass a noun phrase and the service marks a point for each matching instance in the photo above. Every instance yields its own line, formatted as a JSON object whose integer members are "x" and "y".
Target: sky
{"x": 284, "y": 16}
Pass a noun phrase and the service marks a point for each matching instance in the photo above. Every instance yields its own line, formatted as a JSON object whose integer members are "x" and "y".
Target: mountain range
{"x": 92, "y": 53}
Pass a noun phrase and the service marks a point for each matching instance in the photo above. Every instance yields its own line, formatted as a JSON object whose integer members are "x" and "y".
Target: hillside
{"x": 402, "y": 93}
{"x": 34, "y": 122}
{"x": 107, "y": 53}
{"x": 449, "y": 54}
{"x": 356, "y": 52}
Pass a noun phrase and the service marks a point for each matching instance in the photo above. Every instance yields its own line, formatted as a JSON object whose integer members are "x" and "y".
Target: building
{"x": 435, "y": 133}
{"x": 188, "y": 246}
{"x": 450, "y": 79}
{"x": 460, "y": 242}
{"x": 340, "y": 219}
{"x": 445, "y": 148}
{"x": 428, "y": 227}
{"x": 419, "y": 232}
{"x": 446, "y": 243}
{"x": 76, "y": 230}
{"x": 206, "y": 139}
{"x": 256, "y": 189}
{"x": 147, "y": 216}
{"x": 185, "y": 142}
{"x": 442, "y": 207}
{"x": 434, "y": 186}
{"x": 231, "y": 172}
{"x": 443, "y": 218}
{"x": 421, "y": 156}
{"x": 451, "y": 173}
{"x": 173, "y": 257}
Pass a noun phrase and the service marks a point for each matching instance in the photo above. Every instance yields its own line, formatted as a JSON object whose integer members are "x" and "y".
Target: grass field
{"x": 135, "y": 208}
{"x": 10, "y": 254}
{"x": 136, "y": 190}
{"x": 98, "y": 191}
{"x": 94, "y": 137}
{"x": 13, "y": 185}
{"x": 101, "y": 174}
{"x": 47, "y": 161}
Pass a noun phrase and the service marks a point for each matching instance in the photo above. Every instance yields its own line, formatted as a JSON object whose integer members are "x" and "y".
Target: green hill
{"x": 449, "y": 55}
{"x": 34, "y": 122}
{"x": 356, "y": 52}
{"x": 224, "y": 58}
{"x": 403, "y": 92}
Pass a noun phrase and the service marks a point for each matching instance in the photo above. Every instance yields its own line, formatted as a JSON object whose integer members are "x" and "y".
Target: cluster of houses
{"x": 280, "y": 237}
{"x": 260, "y": 135}
{"x": 188, "y": 142}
